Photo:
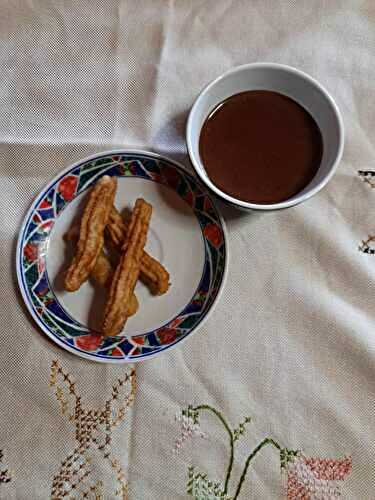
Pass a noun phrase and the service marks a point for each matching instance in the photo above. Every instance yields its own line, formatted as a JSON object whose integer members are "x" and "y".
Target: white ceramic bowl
{"x": 290, "y": 82}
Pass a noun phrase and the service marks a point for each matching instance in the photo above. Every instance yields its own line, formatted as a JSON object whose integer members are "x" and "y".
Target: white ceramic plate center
{"x": 174, "y": 239}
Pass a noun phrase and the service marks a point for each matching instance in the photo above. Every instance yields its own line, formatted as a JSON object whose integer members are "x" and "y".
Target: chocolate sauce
{"x": 260, "y": 146}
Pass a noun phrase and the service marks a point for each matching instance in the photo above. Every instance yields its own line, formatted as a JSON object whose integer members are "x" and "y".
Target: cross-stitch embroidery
{"x": 93, "y": 431}
{"x": 5, "y": 476}
{"x": 303, "y": 477}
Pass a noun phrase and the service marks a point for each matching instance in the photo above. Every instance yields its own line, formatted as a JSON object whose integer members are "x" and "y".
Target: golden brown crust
{"x": 128, "y": 269}
{"x": 103, "y": 270}
{"x": 153, "y": 274}
{"x": 117, "y": 227}
{"x": 91, "y": 235}
{"x": 133, "y": 306}
{"x": 102, "y": 273}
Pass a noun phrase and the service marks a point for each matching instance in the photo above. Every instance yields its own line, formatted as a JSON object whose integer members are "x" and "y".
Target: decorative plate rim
{"x": 76, "y": 350}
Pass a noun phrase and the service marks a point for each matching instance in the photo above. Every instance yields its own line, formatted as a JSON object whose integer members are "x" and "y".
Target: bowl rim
{"x": 299, "y": 198}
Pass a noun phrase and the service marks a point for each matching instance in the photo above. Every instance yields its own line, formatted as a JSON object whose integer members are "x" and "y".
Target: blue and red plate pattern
{"x": 32, "y": 252}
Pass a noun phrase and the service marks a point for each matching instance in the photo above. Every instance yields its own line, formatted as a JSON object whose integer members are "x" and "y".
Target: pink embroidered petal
{"x": 330, "y": 469}
{"x": 189, "y": 428}
{"x": 295, "y": 489}
{"x": 315, "y": 479}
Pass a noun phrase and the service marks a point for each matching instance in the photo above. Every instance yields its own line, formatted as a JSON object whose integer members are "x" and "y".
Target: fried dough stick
{"x": 127, "y": 271}
{"x": 103, "y": 272}
{"x": 153, "y": 274}
{"x": 91, "y": 234}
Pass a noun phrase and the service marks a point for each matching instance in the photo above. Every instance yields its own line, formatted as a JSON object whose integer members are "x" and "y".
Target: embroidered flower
{"x": 190, "y": 426}
{"x": 5, "y": 475}
{"x": 313, "y": 478}
{"x": 304, "y": 478}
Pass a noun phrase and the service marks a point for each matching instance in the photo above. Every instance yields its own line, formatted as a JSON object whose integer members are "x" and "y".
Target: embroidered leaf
{"x": 190, "y": 480}
{"x": 287, "y": 456}
{"x": 192, "y": 413}
{"x": 240, "y": 430}
{"x": 201, "y": 488}
{"x": 307, "y": 478}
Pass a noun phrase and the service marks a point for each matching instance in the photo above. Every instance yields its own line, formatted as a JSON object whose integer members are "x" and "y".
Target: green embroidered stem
{"x": 263, "y": 443}
{"x": 230, "y": 433}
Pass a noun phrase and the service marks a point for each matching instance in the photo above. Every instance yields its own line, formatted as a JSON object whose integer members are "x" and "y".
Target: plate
{"x": 186, "y": 235}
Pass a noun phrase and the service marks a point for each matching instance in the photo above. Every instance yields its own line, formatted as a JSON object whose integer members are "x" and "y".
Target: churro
{"x": 133, "y": 306}
{"x": 128, "y": 270}
{"x": 153, "y": 274}
{"x": 102, "y": 272}
{"x": 91, "y": 235}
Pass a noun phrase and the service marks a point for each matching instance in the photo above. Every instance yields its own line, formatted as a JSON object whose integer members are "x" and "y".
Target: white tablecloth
{"x": 291, "y": 343}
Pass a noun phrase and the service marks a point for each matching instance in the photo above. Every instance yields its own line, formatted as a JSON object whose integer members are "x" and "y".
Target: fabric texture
{"x": 291, "y": 342}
